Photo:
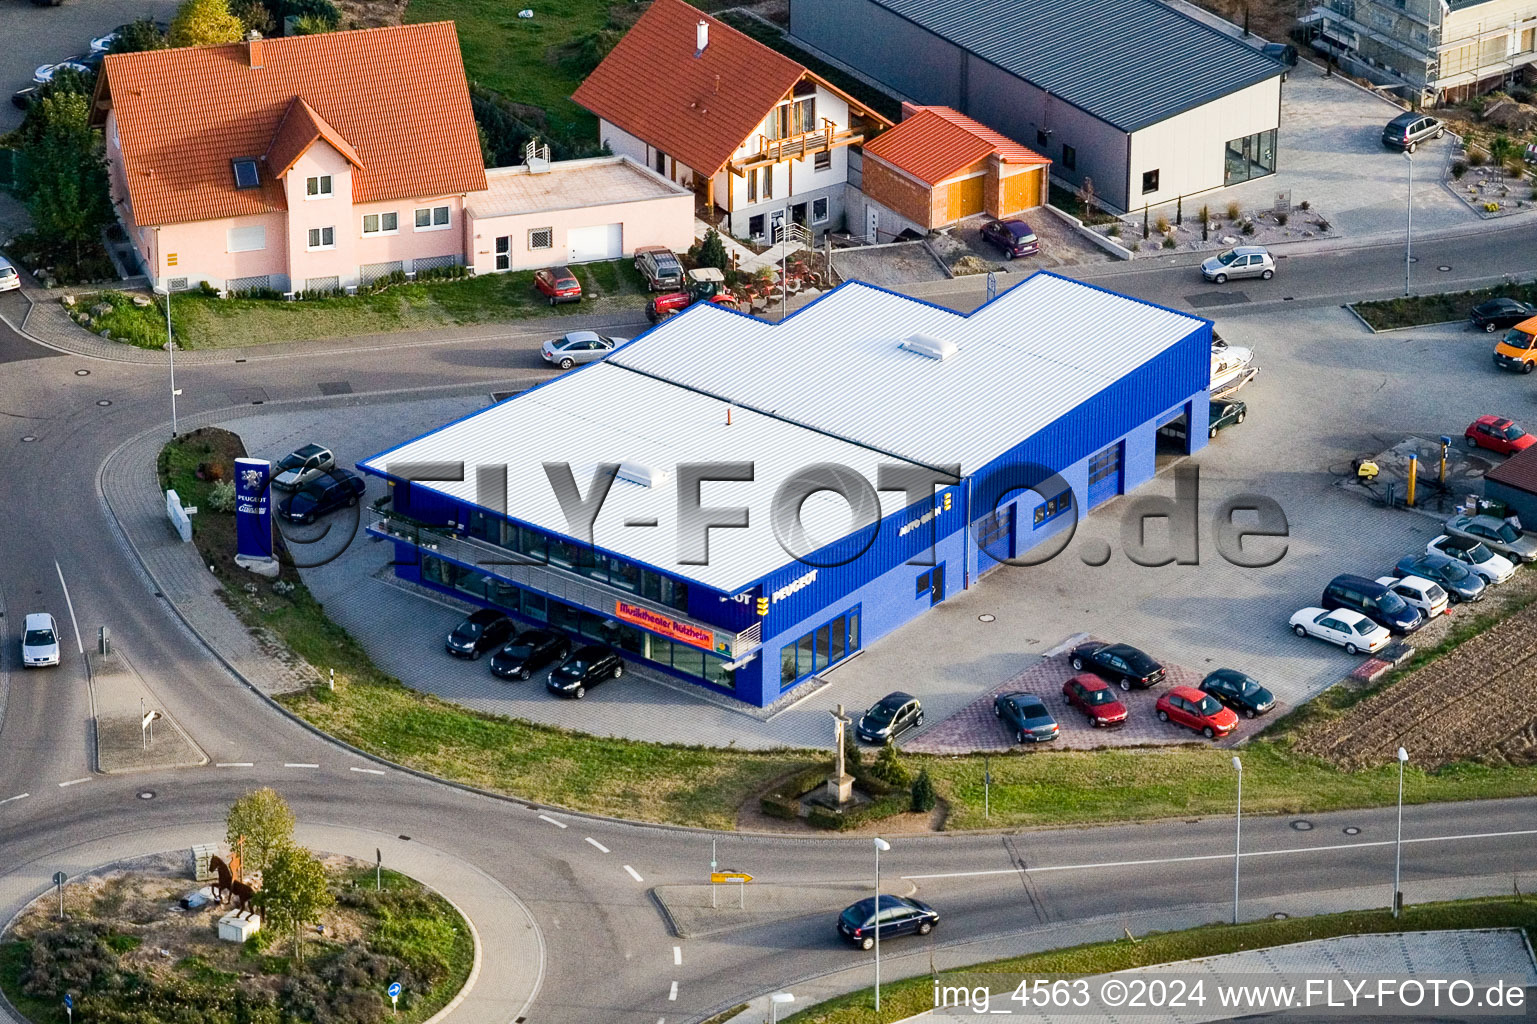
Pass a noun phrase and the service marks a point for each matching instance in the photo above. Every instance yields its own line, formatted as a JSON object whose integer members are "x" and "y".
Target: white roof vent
{"x": 930, "y": 346}
{"x": 642, "y": 474}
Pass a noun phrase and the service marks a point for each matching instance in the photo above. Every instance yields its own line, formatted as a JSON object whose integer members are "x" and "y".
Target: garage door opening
{"x": 602, "y": 242}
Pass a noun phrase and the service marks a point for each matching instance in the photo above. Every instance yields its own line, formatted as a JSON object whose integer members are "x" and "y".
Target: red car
{"x": 558, "y": 284}
{"x": 1187, "y": 706}
{"x": 1092, "y": 695}
{"x": 1497, "y": 434}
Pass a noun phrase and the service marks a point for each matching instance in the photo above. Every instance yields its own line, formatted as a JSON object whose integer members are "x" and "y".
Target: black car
{"x": 1026, "y": 717}
{"x": 338, "y": 489}
{"x": 1013, "y": 236}
{"x": 889, "y": 717}
{"x": 22, "y": 99}
{"x": 584, "y": 669}
{"x": 1121, "y": 664}
{"x": 481, "y": 631}
{"x": 1373, "y": 600}
{"x": 528, "y": 652}
{"x": 1238, "y": 691}
{"x": 1460, "y": 583}
{"x": 899, "y": 916}
{"x": 1500, "y": 314}
{"x": 1285, "y": 53}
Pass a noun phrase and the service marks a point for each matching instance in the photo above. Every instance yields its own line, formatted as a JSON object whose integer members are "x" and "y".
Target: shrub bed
{"x": 1418, "y": 310}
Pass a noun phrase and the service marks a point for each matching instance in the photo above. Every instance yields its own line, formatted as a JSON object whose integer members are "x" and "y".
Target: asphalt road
{"x": 610, "y": 955}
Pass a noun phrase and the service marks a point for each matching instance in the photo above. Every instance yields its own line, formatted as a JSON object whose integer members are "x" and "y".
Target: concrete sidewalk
{"x": 120, "y": 698}
{"x": 509, "y": 950}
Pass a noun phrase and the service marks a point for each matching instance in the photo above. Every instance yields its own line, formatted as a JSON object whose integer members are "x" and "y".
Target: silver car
{"x": 297, "y": 469}
{"x": 578, "y": 347}
{"x": 1239, "y": 261}
{"x": 1497, "y": 535}
{"x": 39, "y": 640}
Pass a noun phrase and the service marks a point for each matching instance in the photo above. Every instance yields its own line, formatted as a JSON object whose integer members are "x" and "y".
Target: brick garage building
{"x": 938, "y": 166}
{"x": 1514, "y": 482}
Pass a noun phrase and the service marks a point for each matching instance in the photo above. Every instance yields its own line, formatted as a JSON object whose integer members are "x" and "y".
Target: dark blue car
{"x": 1373, "y": 600}
{"x": 337, "y": 489}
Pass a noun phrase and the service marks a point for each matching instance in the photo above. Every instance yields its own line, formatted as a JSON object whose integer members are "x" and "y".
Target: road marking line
{"x": 234, "y": 764}
{"x": 552, "y": 821}
{"x": 673, "y": 993}
{"x": 677, "y": 956}
{"x": 1224, "y": 856}
{"x": 367, "y": 771}
{"x": 78, "y": 642}
{"x": 600, "y": 846}
{"x": 74, "y": 782}
{"x": 633, "y": 873}
{"x": 299, "y": 764}
{"x": 18, "y": 796}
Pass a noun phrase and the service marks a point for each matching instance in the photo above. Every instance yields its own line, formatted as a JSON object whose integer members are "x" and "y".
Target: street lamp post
{"x": 1398, "y": 845}
{"x": 1237, "y": 836}
{"x": 880, "y": 846}
{"x": 1409, "y": 223}
{"x": 170, "y": 348}
{"x": 777, "y": 1000}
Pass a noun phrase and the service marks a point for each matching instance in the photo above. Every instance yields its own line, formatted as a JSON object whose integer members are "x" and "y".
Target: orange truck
{"x": 1518, "y": 349}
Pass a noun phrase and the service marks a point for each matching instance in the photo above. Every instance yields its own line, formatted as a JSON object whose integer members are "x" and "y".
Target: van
{"x": 1517, "y": 350}
{"x": 1373, "y": 600}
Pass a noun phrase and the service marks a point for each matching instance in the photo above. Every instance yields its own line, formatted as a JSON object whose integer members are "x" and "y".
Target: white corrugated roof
{"x": 1033, "y": 354}
{"x": 602, "y": 413}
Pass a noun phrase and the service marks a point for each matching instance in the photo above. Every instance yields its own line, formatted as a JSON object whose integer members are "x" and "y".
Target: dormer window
{"x": 318, "y": 187}
{"x": 245, "y": 173}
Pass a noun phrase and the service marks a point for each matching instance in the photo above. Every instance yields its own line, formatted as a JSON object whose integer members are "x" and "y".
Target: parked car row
{"x": 85, "y": 63}
{"x": 314, "y": 485}
{"x": 518, "y": 654}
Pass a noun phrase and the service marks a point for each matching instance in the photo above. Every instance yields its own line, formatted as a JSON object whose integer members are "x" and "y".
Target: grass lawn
{"x": 1418, "y": 310}
{"x": 403, "y": 931}
{"x": 912, "y": 996}
{"x": 201, "y": 321}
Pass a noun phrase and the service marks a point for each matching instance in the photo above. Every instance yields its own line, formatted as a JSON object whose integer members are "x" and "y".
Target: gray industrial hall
{"x": 1145, "y": 100}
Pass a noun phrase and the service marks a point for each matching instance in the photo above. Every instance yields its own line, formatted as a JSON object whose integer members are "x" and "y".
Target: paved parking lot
{"x": 1328, "y": 391}
{"x": 45, "y": 35}
{"x": 1330, "y": 153}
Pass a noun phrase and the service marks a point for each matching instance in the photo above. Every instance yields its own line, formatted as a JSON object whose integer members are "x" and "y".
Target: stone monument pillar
{"x": 840, "y": 784}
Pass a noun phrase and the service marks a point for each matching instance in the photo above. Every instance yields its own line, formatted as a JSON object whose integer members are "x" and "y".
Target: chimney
{"x": 253, "y": 41}
{"x": 701, "y": 37}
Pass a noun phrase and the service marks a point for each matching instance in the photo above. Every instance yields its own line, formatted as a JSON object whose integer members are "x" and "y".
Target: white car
{"x": 45, "y": 72}
{"x": 1351, "y": 630}
{"x": 39, "y": 641}
{"x": 101, "y": 44}
{"x": 9, "y": 279}
{"x": 1475, "y": 555}
{"x": 1417, "y": 592}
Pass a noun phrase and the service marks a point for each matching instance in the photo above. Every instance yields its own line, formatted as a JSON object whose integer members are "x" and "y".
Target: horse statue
{"x": 239, "y": 892}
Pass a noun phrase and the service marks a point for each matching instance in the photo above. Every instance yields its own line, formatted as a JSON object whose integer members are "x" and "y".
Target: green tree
{"x": 66, "y": 175}
{"x": 711, "y": 252}
{"x": 889, "y": 768}
{"x": 205, "y": 23}
{"x": 255, "y": 15}
{"x": 294, "y": 892}
{"x": 258, "y": 825}
{"x": 139, "y": 36}
{"x": 924, "y": 797}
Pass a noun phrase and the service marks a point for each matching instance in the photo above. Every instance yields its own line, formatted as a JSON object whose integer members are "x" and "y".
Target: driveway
{"x": 1331, "y": 155}
{"x": 42, "y": 35}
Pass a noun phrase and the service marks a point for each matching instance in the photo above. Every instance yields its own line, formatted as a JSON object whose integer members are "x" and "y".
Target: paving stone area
{"x": 976, "y": 727}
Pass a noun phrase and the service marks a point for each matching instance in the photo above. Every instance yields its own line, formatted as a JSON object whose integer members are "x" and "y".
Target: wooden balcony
{"x": 797, "y": 147}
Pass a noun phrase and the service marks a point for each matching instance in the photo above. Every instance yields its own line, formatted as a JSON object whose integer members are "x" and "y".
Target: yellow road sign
{"x": 729, "y": 876}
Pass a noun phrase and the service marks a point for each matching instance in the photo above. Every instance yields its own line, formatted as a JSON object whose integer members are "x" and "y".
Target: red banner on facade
{"x": 659, "y": 623}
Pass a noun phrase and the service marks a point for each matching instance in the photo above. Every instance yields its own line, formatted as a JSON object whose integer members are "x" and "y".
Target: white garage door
{"x": 604, "y": 242}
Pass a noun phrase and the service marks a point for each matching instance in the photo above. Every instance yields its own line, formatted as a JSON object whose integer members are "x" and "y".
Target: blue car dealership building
{"x": 861, "y": 461}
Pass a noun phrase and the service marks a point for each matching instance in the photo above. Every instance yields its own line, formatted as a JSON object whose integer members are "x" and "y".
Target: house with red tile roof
{"x": 938, "y": 166}
{"x": 300, "y": 164}
{"x": 760, "y": 139}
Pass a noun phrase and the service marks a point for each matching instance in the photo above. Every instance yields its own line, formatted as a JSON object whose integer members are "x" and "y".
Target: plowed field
{"x": 1475, "y": 702}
